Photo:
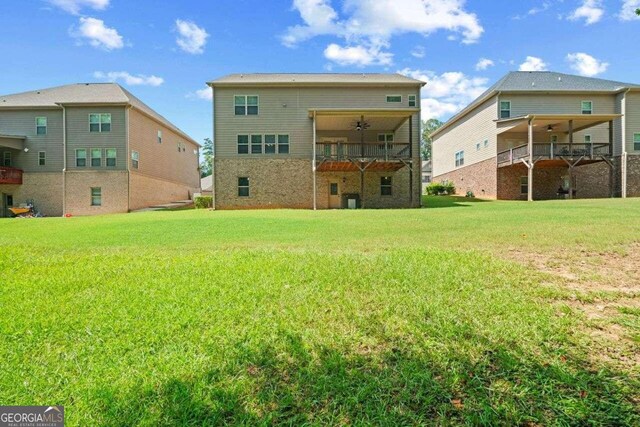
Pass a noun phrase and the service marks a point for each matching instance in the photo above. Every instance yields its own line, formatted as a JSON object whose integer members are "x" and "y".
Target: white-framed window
{"x": 587, "y": 107}
{"x": 96, "y": 157}
{"x": 41, "y": 125}
{"x": 486, "y": 143}
{"x": 459, "y": 158}
{"x": 394, "y": 99}
{"x": 243, "y": 186}
{"x": 270, "y": 143}
{"x": 553, "y": 138}
{"x": 111, "y": 156}
{"x": 636, "y": 141}
{"x": 81, "y": 158}
{"x": 6, "y": 158}
{"x": 246, "y": 105}
{"x": 96, "y": 196}
{"x": 412, "y": 100}
{"x": 386, "y": 187}
{"x": 99, "y": 122}
{"x": 283, "y": 144}
{"x": 478, "y": 146}
{"x": 524, "y": 185}
{"x": 505, "y": 109}
{"x": 587, "y": 139}
{"x": 135, "y": 159}
{"x": 243, "y": 144}
{"x": 385, "y": 138}
{"x": 159, "y": 137}
{"x": 42, "y": 158}
{"x": 256, "y": 144}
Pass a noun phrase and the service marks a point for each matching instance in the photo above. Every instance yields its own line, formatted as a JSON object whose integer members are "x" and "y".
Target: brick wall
{"x": 480, "y": 178}
{"x": 114, "y": 187}
{"x": 44, "y": 188}
{"x": 633, "y": 175}
{"x": 148, "y": 191}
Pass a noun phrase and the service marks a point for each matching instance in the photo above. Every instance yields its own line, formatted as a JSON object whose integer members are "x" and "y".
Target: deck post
{"x": 571, "y": 137}
{"x": 411, "y": 160}
{"x": 361, "y": 186}
{"x": 313, "y": 164}
{"x": 611, "y": 138}
{"x": 530, "y": 163}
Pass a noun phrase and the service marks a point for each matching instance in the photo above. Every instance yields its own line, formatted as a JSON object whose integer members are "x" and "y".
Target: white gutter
{"x": 128, "y": 156}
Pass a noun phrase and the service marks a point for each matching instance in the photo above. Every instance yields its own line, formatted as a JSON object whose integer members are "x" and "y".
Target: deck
{"x": 586, "y": 153}
{"x": 9, "y": 175}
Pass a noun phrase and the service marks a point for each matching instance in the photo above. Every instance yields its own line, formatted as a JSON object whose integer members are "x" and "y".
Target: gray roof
{"x": 317, "y": 79}
{"x": 84, "y": 93}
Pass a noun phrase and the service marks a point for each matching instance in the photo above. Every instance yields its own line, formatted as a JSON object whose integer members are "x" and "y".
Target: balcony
{"x": 553, "y": 151}
{"x": 10, "y": 175}
{"x": 367, "y": 151}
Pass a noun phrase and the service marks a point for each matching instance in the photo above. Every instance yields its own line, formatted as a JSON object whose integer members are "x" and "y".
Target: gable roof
{"x": 85, "y": 93}
{"x": 316, "y": 79}
{"x": 541, "y": 81}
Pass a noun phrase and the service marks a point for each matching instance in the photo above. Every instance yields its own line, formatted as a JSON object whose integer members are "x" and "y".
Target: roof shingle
{"x": 316, "y": 78}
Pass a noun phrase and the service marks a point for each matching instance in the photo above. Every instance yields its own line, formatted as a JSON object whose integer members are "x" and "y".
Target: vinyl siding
{"x": 23, "y": 122}
{"x": 632, "y": 119}
{"x": 162, "y": 160}
{"x": 286, "y": 111}
{"x": 79, "y": 137}
{"x": 471, "y": 129}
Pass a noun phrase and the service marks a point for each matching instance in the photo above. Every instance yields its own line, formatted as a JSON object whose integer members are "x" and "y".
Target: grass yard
{"x": 468, "y": 312}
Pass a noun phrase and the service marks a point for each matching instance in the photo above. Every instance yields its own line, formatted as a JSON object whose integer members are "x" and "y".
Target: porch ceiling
{"x": 558, "y": 122}
{"x": 12, "y": 141}
{"x": 378, "y": 120}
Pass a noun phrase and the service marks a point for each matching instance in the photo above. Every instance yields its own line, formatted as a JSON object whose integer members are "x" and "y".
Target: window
{"x": 486, "y": 143}
{"x": 42, "y": 158}
{"x": 269, "y": 144}
{"x": 394, "y": 98}
{"x": 524, "y": 185}
{"x": 246, "y": 105}
{"x": 159, "y": 137}
{"x": 81, "y": 158}
{"x": 6, "y": 158}
{"x": 283, "y": 144}
{"x": 99, "y": 122}
{"x": 96, "y": 196}
{"x": 41, "y": 125}
{"x": 243, "y": 187}
{"x": 505, "y": 109}
{"x": 636, "y": 141}
{"x": 554, "y": 139}
{"x": 459, "y": 159}
{"x": 256, "y": 144}
{"x": 385, "y": 185}
{"x": 587, "y": 107}
{"x": 478, "y": 146}
{"x": 96, "y": 157}
{"x": 412, "y": 100}
{"x": 587, "y": 139}
{"x": 111, "y": 157}
{"x": 135, "y": 159}
{"x": 181, "y": 147}
{"x": 384, "y": 139}
{"x": 243, "y": 144}
{"x": 333, "y": 189}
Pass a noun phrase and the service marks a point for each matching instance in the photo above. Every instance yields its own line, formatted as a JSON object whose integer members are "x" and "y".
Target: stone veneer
{"x": 480, "y": 178}
{"x": 633, "y": 175}
{"x": 115, "y": 195}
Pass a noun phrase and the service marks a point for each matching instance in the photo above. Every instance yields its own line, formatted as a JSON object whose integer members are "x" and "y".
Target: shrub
{"x": 470, "y": 194}
{"x": 443, "y": 188}
{"x": 203, "y": 202}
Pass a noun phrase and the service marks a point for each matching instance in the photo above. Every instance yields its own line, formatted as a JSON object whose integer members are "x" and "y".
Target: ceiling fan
{"x": 361, "y": 125}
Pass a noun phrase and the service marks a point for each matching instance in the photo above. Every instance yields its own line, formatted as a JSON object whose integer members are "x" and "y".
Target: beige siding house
{"x": 316, "y": 141}
{"x": 88, "y": 149}
{"x": 544, "y": 135}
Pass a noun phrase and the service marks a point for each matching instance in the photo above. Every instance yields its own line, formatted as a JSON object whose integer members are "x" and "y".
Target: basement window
{"x": 385, "y": 186}
{"x": 96, "y": 196}
{"x": 524, "y": 185}
{"x": 243, "y": 186}
{"x": 587, "y": 107}
{"x": 41, "y": 125}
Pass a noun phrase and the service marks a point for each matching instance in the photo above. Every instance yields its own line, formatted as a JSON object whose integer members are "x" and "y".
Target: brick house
{"x": 86, "y": 149}
{"x": 544, "y": 135}
{"x": 316, "y": 141}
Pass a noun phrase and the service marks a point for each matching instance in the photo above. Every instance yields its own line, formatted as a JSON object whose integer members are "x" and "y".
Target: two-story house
{"x": 85, "y": 149}
{"x": 316, "y": 141}
{"x": 544, "y": 135}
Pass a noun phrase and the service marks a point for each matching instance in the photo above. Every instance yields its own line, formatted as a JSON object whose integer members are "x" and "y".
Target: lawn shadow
{"x": 431, "y": 202}
{"x": 291, "y": 383}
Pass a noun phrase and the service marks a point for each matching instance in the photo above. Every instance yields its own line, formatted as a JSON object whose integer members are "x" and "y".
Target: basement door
{"x": 334, "y": 196}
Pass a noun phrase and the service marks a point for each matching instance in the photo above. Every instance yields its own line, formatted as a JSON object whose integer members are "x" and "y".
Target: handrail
{"x": 10, "y": 175}
{"x": 370, "y": 150}
{"x": 551, "y": 150}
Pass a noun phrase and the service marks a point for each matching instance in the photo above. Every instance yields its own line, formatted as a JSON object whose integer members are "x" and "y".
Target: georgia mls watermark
{"x": 31, "y": 416}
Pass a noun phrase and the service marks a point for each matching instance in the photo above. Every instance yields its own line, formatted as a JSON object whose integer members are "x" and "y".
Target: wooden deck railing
{"x": 10, "y": 175}
{"x": 553, "y": 150}
{"x": 341, "y": 151}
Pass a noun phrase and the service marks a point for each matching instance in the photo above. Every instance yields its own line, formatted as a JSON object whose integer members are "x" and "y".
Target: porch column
{"x": 361, "y": 186}
{"x": 612, "y": 170}
{"x": 530, "y": 165}
{"x": 571, "y": 137}
{"x": 411, "y": 160}
{"x": 571, "y": 154}
{"x": 313, "y": 163}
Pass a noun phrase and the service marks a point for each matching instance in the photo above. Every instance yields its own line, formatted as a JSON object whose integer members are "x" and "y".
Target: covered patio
{"x": 8, "y": 144}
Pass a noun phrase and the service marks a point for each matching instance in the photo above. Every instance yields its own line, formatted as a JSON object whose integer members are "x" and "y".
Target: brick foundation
{"x": 148, "y": 191}
{"x": 114, "y": 187}
{"x": 479, "y": 178}
{"x": 45, "y": 189}
{"x": 633, "y": 175}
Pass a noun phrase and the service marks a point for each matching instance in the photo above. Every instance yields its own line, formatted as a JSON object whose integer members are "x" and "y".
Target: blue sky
{"x": 164, "y": 51}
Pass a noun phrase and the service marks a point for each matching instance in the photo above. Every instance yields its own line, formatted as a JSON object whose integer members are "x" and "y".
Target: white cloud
{"x": 533, "y": 64}
{"x": 97, "y": 34}
{"x": 591, "y": 11}
{"x": 206, "y": 94}
{"x": 372, "y": 23}
{"x": 586, "y": 65}
{"x": 192, "y": 38}
{"x": 357, "y": 55}
{"x": 418, "y": 52}
{"x": 447, "y": 93}
{"x": 483, "y": 64}
{"x": 128, "y": 79}
{"x": 546, "y": 5}
{"x": 74, "y": 6}
{"x": 628, "y": 12}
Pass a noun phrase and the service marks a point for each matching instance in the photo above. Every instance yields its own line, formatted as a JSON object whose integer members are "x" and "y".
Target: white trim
{"x": 458, "y": 159}
{"x": 100, "y": 122}
{"x": 86, "y": 152}
{"x": 393, "y": 102}
{"x": 43, "y": 158}
{"x": 106, "y": 157}
{"x": 415, "y": 100}
{"x": 246, "y": 105}
{"x": 137, "y": 153}
{"x": 500, "y": 110}
{"x": 91, "y": 150}
{"x": 582, "y": 110}
{"x": 46, "y": 123}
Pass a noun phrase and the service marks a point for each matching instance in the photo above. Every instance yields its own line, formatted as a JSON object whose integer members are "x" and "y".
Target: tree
{"x": 428, "y": 127}
{"x": 206, "y": 167}
{"x": 637, "y": 11}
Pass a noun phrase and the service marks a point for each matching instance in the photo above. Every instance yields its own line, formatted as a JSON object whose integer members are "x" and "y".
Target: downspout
{"x": 128, "y": 156}
{"x": 213, "y": 154}
{"x": 64, "y": 160}
{"x": 313, "y": 163}
{"x": 623, "y": 160}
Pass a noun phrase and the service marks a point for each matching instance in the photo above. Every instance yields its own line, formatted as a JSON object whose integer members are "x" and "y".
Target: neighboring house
{"x": 426, "y": 174}
{"x": 87, "y": 149}
{"x": 544, "y": 135}
{"x": 206, "y": 185}
{"x": 316, "y": 141}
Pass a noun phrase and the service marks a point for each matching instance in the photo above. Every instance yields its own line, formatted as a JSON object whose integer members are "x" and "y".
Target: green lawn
{"x": 389, "y": 317}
